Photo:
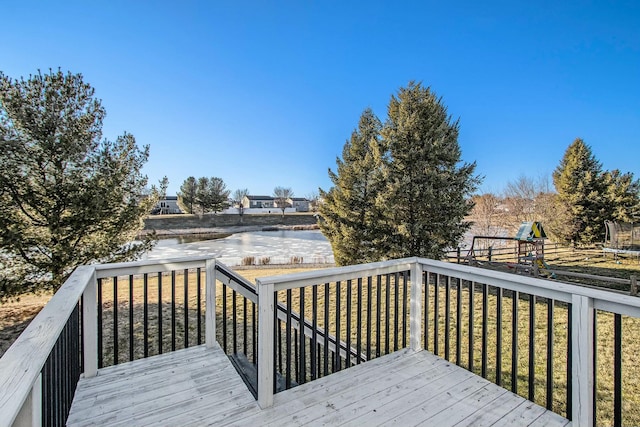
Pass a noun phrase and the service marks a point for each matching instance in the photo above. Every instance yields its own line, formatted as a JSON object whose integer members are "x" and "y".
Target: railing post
{"x": 90, "y": 327}
{"x": 415, "y": 322}
{"x": 210, "y": 303}
{"x": 266, "y": 325}
{"x": 31, "y": 413}
{"x": 582, "y": 360}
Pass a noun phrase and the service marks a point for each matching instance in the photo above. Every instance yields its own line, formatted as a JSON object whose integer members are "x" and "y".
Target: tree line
{"x": 400, "y": 189}
{"x": 572, "y": 206}
{"x": 204, "y": 195}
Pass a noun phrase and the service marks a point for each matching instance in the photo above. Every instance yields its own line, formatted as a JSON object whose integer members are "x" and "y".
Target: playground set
{"x": 529, "y": 250}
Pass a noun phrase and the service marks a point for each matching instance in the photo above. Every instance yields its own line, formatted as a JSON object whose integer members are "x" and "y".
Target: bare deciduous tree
{"x": 238, "y": 197}
{"x": 282, "y": 196}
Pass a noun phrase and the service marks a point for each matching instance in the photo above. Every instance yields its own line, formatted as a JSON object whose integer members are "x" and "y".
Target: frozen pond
{"x": 279, "y": 246}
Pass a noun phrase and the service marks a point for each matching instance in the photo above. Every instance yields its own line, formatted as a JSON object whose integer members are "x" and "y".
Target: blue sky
{"x": 265, "y": 93}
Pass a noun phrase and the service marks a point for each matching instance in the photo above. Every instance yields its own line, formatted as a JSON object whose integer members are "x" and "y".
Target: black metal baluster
{"x": 348, "y": 331}
{"x": 131, "y": 343}
{"x": 595, "y": 366}
{"x": 224, "y": 318}
{"x": 326, "y": 329}
{"x": 485, "y": 320}
{"x": 186, "y": 308}
{"x": 173, "y": 311}
{"x": 337, "y": 359}
{"x": 159, "y": 313}
{"x": 288, "y": 341}
{"x": 115, "y": 321}
{"x": 199, "y": 304}
{"x": 378, "y": 314}
{"x": 303, "y": 346}
{"x": 569, "y": 412}
{"x": 359, "y": 322}
{"x": 234, "y": 320}
{"x": 436, "y": 315}
{"x": 369, "y": 308}
{"x": 532, "y": 347}
{"x": 499, "y": 337}
{"x": 458, "y": 321}
{"x": 447, "y": 318}
{"x": 550, "y": 340}
{"x": 245, "y": 334}
{"x": 514, "y": 343}
{"x": 314, "y": 365}
{"x": 100, "y": 353}
{"x": 296, "y": 359}
{"x": 387, "y": 313}
{"x": 472, "y": 286}
{"x": 617, "y": 369}
{"x": 426, "y": 310}
{"x": 396, "y": 309}
{"x": 254, "y": 331}
{"x": 145, "y": 320}
{"x": 404, "y": 309}
{"x": 279, "y": 344}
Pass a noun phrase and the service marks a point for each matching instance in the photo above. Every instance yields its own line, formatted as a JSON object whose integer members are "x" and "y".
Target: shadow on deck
{"x": 199, "y": 386}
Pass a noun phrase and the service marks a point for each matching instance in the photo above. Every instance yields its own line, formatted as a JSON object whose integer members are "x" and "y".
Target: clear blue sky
{"x": 265, "y": 93}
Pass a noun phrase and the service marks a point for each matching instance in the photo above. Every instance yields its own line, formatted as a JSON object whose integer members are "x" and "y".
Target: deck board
{"x": 199, "y": 386}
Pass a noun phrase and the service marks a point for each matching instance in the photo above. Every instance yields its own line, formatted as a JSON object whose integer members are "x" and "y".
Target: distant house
{"x": 166, "y": 206}
{"x": 269, "y": 204}
{"x": 300, "y": 204}
{"x": 258, "y": 202}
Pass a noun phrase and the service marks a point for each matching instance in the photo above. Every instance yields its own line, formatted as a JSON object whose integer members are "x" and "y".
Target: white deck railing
{"x": 584, "y": 302}
{"x": 21, "y": 366}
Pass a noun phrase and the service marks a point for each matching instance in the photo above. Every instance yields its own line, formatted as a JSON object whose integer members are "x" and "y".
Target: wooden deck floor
{"x": 200, "y": 387}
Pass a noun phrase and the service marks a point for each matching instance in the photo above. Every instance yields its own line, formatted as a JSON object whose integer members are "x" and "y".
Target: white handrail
{"x": 22, "y": 363}
{"x": 20, "y": 366}
{"x": 560, "y": 291}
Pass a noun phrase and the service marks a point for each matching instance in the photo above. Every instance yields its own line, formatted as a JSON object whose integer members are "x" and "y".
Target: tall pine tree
{"x": 400, "y": 190}
{"x": 581, "y": 195}
{"x": 349, "y": 216}
{"x": 622, "y": 196}
{"x": 427, "y": 188}
{"x": 67, "y": 196}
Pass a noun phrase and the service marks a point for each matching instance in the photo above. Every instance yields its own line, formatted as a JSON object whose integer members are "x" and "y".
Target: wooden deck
{"x": 199, "y": 386}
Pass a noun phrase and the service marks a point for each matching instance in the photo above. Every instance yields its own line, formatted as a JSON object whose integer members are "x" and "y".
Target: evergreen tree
{"x": 349, "y": 216}
{"x": 67, "y": 197}
{"x": 399, "y": 190}
{"x": 211, "y": 195}
{"x": 622, "y": 194}
{"x": 203, "y": 197}
{"x": 581, "y": 195}
{"x": 187, "y": 195}
{"x": 219, "y": 195}
{"x": 427, "y": 191}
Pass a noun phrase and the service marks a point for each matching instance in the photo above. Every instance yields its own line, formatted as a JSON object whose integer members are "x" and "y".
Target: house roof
{"x": 259, "y": 197}
{"x": 299, "y": 199}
